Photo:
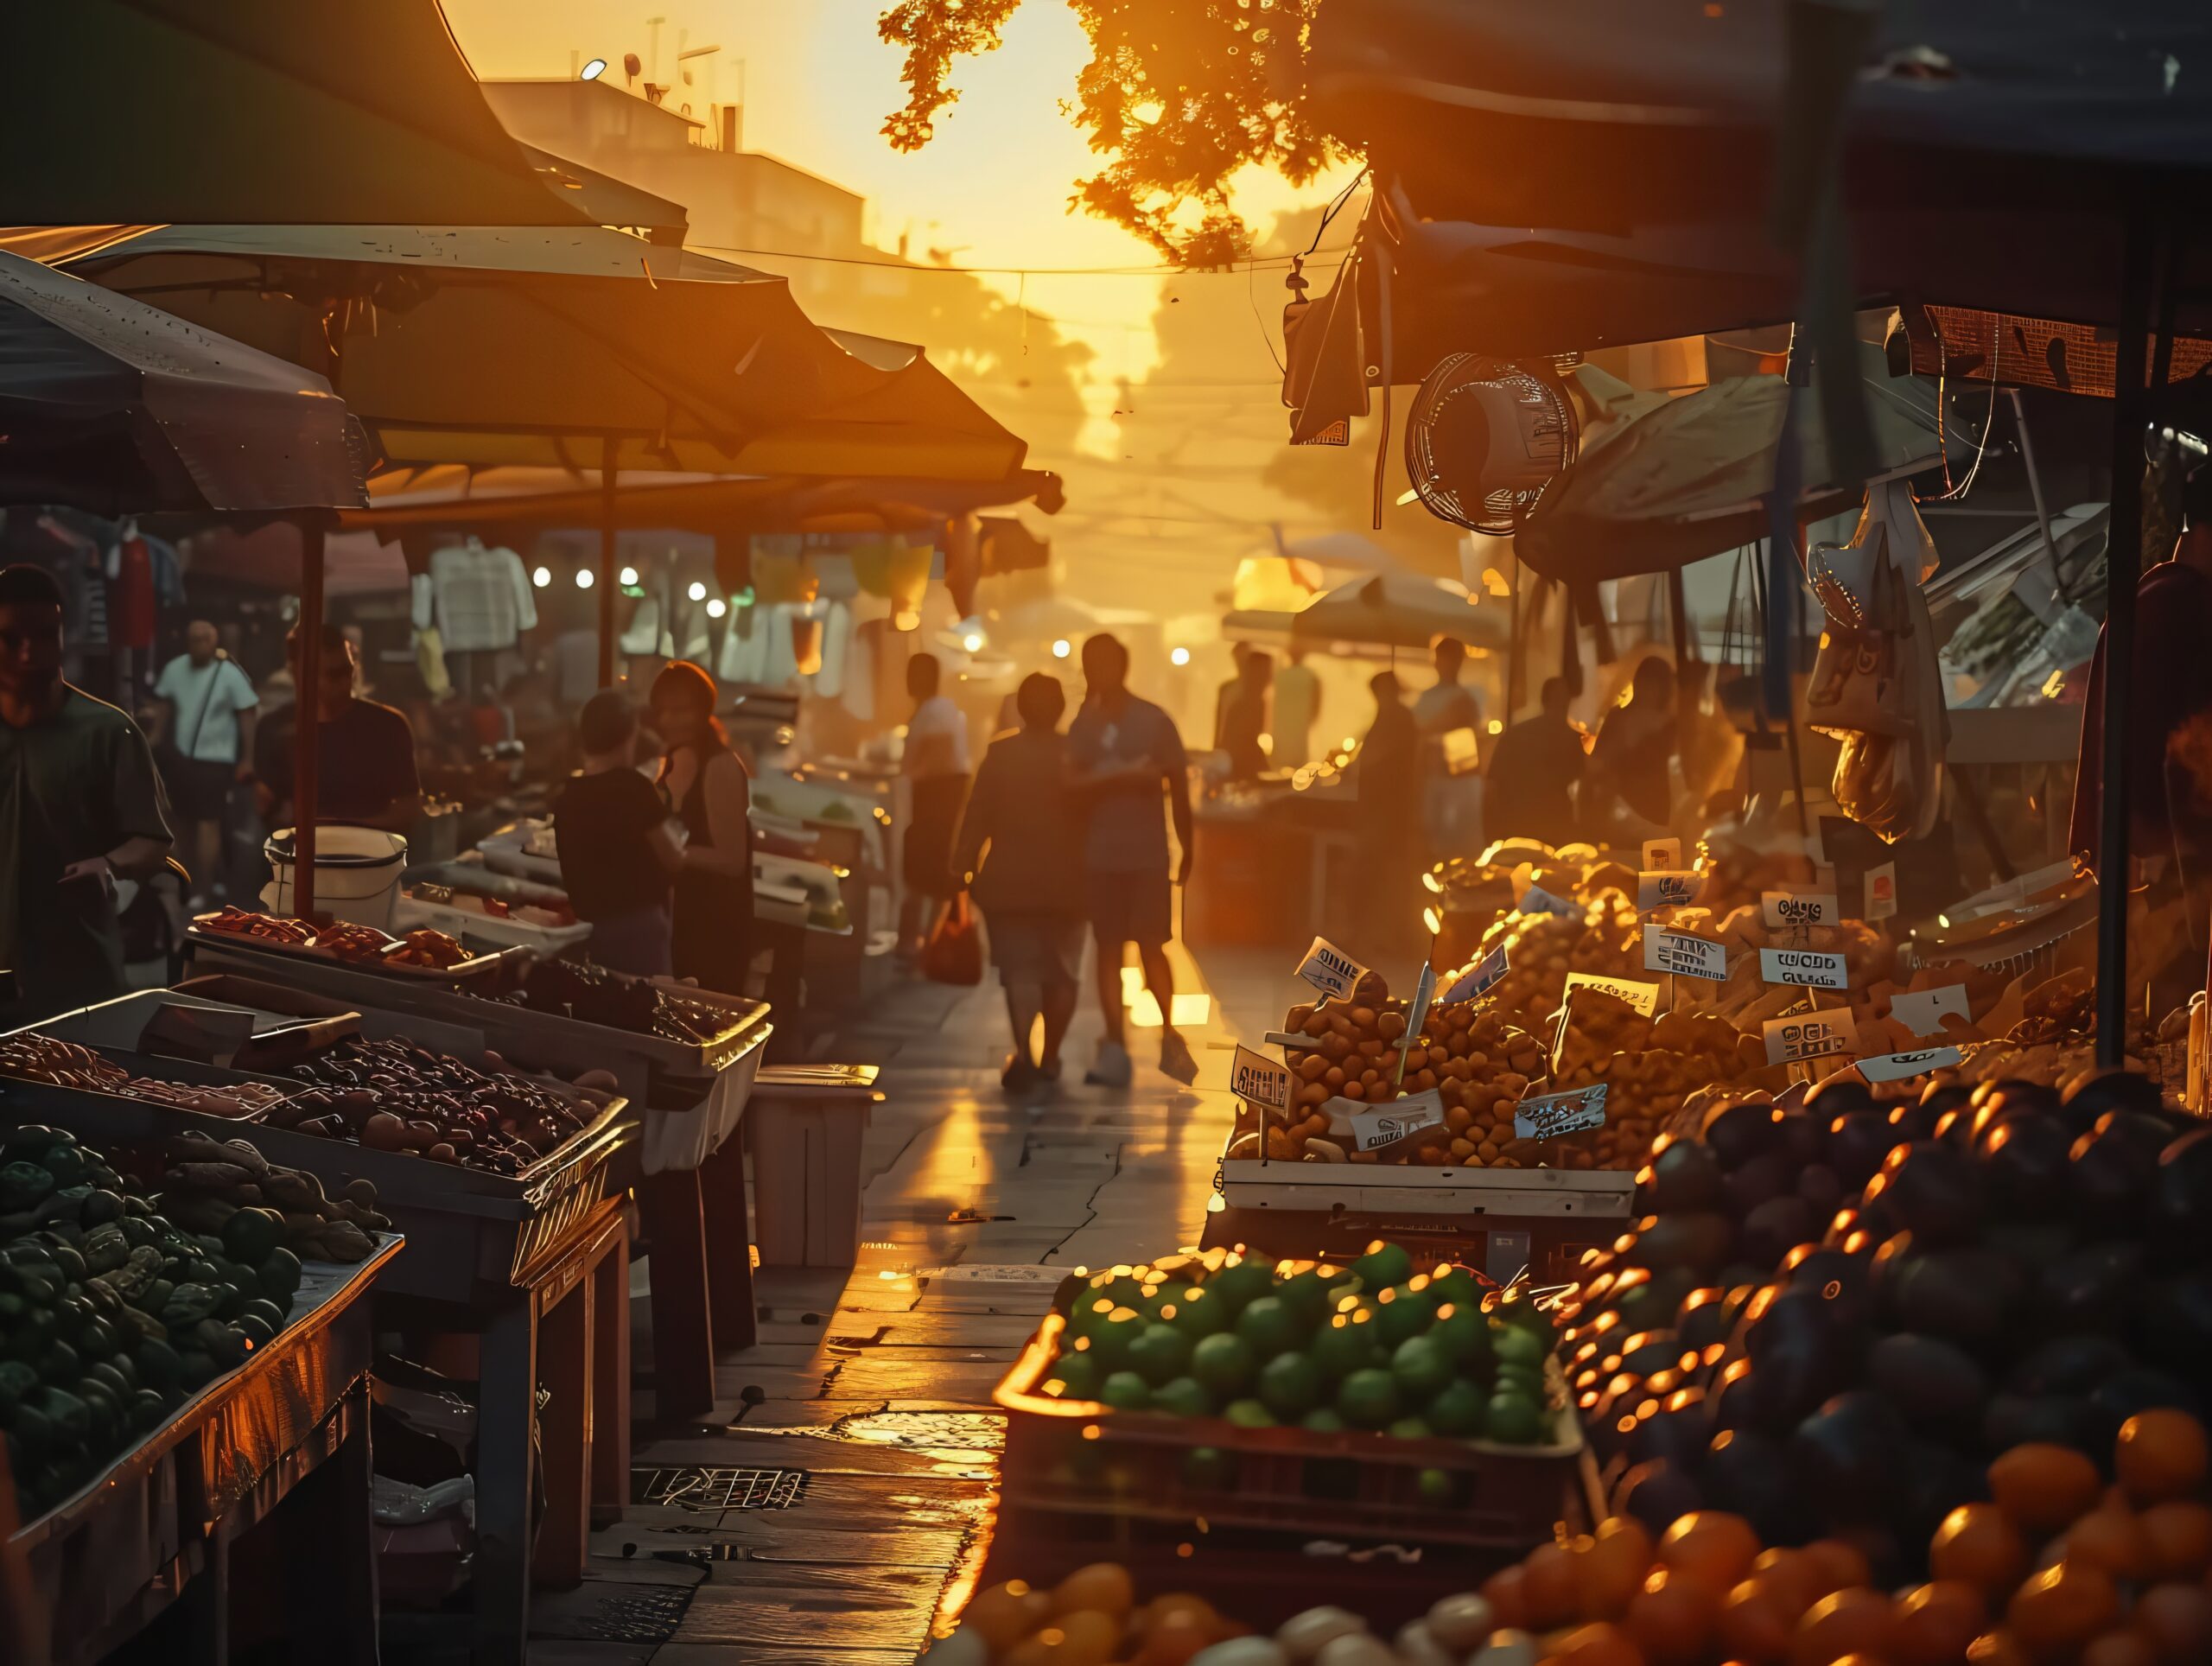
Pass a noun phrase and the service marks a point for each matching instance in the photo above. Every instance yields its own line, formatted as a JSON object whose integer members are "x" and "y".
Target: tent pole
{"x": 307, "y": 729}
{"x": 606, "y": 567}
{"x": 2124, "y": 560}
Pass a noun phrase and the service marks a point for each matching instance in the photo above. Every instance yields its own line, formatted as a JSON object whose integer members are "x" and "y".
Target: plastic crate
{"x": 1070, "y": 1459}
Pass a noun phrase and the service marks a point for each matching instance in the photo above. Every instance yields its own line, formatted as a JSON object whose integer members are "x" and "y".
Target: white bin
{"x": 357, "y": 872}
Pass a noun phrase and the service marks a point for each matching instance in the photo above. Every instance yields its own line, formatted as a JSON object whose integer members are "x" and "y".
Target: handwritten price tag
{"x": 1799, "y": 907}
{"x": 1481, "y": 977}
{"x": 1922, "y": 1011}
{"x": 1259, "y": 1080}
{"x": 1803, "y": 966}
{"x": 1809, "y": 1035}
{"x": 1555, "y": 1114}
{"x": 1372, "y": 1126}
{"x": 1330, "y": 969}
{"x": 1644, "y": 997}
{"x": 1898, "y": 1067}
{"x": 1669, "y": 889}
{"x": 1684, "y": 955}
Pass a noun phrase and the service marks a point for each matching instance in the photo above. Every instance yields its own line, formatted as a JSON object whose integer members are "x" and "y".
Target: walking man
{"x": 206, "y": 709}
{"x": 1123, "y": 753}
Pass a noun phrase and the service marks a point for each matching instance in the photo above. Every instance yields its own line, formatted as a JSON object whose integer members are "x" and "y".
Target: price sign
{"x": 1537, "y": 900}
{"x": 1555, "y": 1114}
{"x": 1799, "y": 907}
{"x": 1372, "y": 1126}
{"x": 1644, "y": 997}
{"x": 1898, "y": 1067}
{"x": 1810, "y": 1035}
{"x": 1922, "y": 1011}
{"x": 1259, "y": 1080}
{"x": 1481, "y": 977}
{"x": 1424, "y": 993}
{"x": 1803, "y": 966}
{"x": 1659, "y": 854}
{"x": 1882, "y": 891}
{"x": 1330, "y": 969}
{"x": 1668, "y": 888}
{"x": 1684, "y": 955}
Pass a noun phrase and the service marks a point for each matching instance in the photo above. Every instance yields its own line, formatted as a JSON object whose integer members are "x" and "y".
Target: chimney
{"x": 733, "y": 125}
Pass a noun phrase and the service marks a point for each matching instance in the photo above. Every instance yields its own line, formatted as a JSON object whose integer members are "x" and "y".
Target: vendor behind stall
{"x": 1534, "y": 769}
{"x": 1388, "y": 775}
{"x": 618, "y": 849}
{"x": 1244, "y": 734}
{"x": 706, "y": 784}
{"x": 81, "y": 807}
{"x": 365, "y": 772}
{"x": 1629, "y": 794}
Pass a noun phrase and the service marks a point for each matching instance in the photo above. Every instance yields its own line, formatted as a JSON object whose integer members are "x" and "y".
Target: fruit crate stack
{"x": 1240, "y": 1397}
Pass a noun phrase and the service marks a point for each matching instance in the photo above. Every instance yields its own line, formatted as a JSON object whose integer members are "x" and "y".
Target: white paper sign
{"x": 1684, "y": 955}
{"x": 1810, "y": 1035}
{"x": 1669, "y": 888}
{"x": 1373, "y": 1126}
{"x": 1882, "y": 891}
{"x": 1799, "y": 907}
{"x": 1922, "y": 1011}
{"x": 1330, "y": 969}
{"x": 1898, "y": 1067}
{"x": 1806, "y": 966}
{"x": 1481, "y": 977}
{"x": 1259, "y": 1080}
{"x": 1660, "y": 853}
{"x": 1555, "y": 1114}
{"x": 1537, "y": 900}
{"x": 1644, "y": 997}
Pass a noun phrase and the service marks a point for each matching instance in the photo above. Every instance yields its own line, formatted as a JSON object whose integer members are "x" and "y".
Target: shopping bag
{"x": 954, "y": 951}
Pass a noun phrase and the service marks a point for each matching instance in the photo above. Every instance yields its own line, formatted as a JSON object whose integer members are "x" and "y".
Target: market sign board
{"x": 1481, "y": 977}
{"x": 1817, "y": 1034}
{"x": 1371, "y": 1128}
{"x": 1660, "y": 855}
{"x": 1682, "y": 955}
{"x": 1537, "y": 900}
{"x": 1644, "y": 997}
{"x": 1330, "y": 969}
{"x": 1809, "y": 967}
{"x": 1922, "y": 1011}
{"x": 1668, "y": 888}
{"x": 1799, "y": 908}
{"x": 1881, "y": 892}
{"x": 1554, "y": 1113}
{"x": 1901, "y": 1066}
{"x": 1259, "y": 1080}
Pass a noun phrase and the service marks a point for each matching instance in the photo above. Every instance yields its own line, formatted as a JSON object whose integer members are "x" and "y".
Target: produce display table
{"x": 690, "y": 1097}
{"x": 285, "y": 1434}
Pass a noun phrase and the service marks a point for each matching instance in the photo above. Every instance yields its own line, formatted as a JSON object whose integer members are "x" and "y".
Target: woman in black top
{"x": 707, "y": 785}
{"x": 619, "y": 851}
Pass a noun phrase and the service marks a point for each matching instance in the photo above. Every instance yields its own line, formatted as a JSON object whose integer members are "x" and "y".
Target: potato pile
{"x": 1542, "y": 949}
{"x": 1652, "y": 1065}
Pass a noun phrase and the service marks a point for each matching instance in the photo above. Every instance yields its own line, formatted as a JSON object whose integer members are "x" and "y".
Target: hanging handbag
{"x": 954, "y": 951}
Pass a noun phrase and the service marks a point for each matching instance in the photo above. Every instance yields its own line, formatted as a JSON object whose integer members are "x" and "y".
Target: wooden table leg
{"x": 205, "y": 1603}
{"x": 683, "y": 1330}
{"x": 610, "y": 1400}
{"x": 564, "y": 1372}
{"x": 730, "y": 1245}
{"x": 507, "y": 1391}
{"x": 329, "y": 1556}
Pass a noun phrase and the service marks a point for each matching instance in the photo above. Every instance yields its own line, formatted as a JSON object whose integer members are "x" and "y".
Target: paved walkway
{"x": 850, "y": 1461}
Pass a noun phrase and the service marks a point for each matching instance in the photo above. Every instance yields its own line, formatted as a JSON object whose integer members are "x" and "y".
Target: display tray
{"x": 1404, "y": 1188}
{"x": 476, "y": 968}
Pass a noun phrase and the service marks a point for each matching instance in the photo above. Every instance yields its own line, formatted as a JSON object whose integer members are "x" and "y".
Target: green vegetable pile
{"x": 110, "y": 1313}
{"x": 1376, "y": 1346}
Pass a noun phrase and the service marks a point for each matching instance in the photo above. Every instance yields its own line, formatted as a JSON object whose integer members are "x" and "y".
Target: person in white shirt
{"x": 206, "y": 715}
{"x": 936, "y": 768}
{"x": 1449, "y": 717}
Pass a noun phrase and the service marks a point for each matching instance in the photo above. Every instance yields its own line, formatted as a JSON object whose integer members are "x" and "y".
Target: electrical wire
{"x": 1271, "y": 262}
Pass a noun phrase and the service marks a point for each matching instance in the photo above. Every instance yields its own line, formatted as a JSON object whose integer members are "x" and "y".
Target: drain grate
{"x": 698, "y": 1487}
{"x": 644, "y": 1613}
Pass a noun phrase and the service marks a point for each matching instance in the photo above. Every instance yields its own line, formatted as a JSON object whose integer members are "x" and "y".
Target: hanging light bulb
{"x": 697, "y": 592}
{"x": 1061, "y": 648}
{"x": 541, "y": 576}
{"x": 1181, "y": 656}
{"x": 629, "y": 576}
{"x": 717, "y": 607}
{"x": 585, "y": 578}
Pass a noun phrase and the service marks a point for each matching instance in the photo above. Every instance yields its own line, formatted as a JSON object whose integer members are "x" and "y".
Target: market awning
{"x": 605, "y": 200}
{"x": 110, "y": 406}
{"x": 522, "y": 345}
{"x": 1391, "y": 612}
{"x": 341, "y": 111}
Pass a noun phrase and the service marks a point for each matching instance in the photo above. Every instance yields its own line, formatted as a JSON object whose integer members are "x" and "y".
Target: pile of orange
{"x": 1088, "y": 1618}
{"x": 2056, "y": 1568}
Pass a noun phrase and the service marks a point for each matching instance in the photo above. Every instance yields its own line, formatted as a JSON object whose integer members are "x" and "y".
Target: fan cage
{"x": 1549, "y": 421}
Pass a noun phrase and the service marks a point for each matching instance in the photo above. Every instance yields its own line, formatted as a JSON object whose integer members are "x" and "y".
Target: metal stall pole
{"x": 307, "y": 707}
{"x": 607, "y": 569}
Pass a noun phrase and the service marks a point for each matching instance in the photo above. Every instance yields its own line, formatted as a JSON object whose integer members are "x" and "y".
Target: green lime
{"x": 1383, "y": 1265}
{"x": 1159, "y": 1354}
{"x": 1515, "y": 1345}
{"x": 1322, "y": 1420}
{"x": 1223, "y": 1363}
{"x": 1437, "y": 1488}
{"x": 1195, "y": 1313}
{"x": 1120, "y": 1289}
{"x": 1463, "y": 1336}
{"x": 1241, "y": 1282}
{"x": 1126, "y": 1391}
{"x": 1523, "y": 1380}
{"x": 1421, "y": 1367}
{"x": 1305, "y": 1294}
{"x": 1248, "y": 1414}
{"x": 1402, "y": 1312}
{"x": 1522, "y": 1314}
{"x": 1456, "y": 1286}
{"x": 1513, "y": 1420}
{"x": 1289, "y": 1386}
{"x": 1207, "y": 1467}
{"x": 1115, "y": 1336}
{"x": 1342, "y": 1346}
{"x": 1183, "y": 1397}
{"x": 1368, "y": 1399}
{"x": 1078, "y": 1375}
{"x": 1090, "y": 1311}
{"x": 1458, "y": 1409}
{"x": 1409, "y": 1428}
{"x": 1270, "y": 1328}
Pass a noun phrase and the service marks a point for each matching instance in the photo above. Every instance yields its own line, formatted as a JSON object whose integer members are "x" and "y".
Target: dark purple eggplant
{"x": 1934, "y": 1191}
{"x": 1846, "y": 1454}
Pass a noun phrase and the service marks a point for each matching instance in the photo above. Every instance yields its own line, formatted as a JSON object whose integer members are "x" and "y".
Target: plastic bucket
{"x": 357, "y": 872}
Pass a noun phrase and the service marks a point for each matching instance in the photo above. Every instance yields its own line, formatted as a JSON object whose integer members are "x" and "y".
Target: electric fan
{"x": 1485, "y": 439}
